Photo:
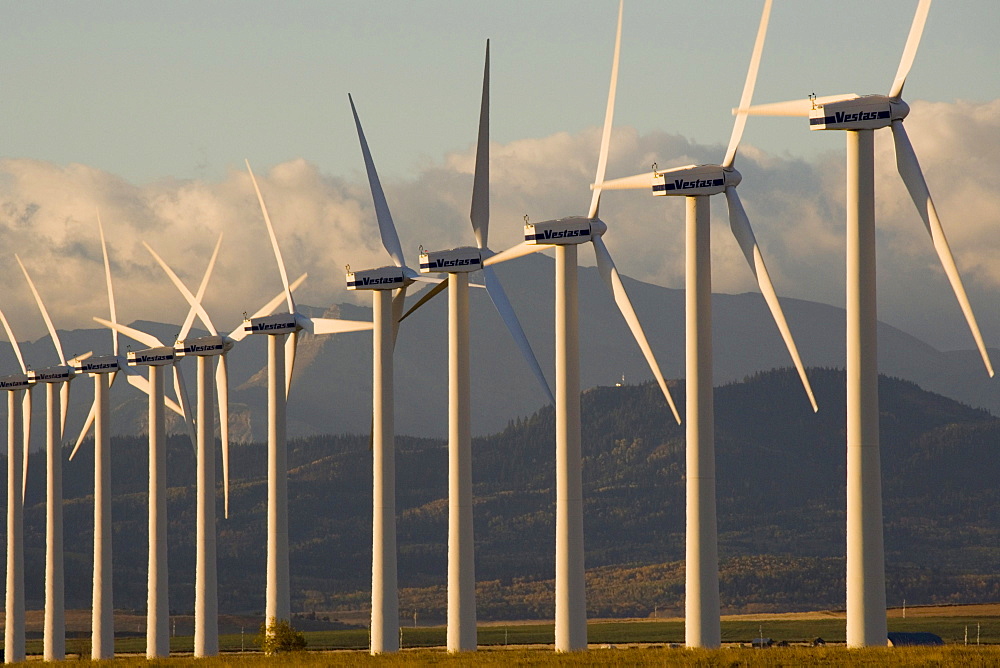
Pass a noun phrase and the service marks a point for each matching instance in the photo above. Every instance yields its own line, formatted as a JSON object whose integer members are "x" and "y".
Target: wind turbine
{"x": 458, "y": 263}
{"x": 18, "y": 424}
{"x": 54, "y": 631}
{"x": 388, "y": 285}
{"x": 696, "y": 183}
{"x": 860, "y": 116}
{"x": 206, "y": 607}
{"x": 156, "y": 357}
{"x": 279, "y": 379}
{"x": 565, "y": 235}
{"x": 104, "y": 369}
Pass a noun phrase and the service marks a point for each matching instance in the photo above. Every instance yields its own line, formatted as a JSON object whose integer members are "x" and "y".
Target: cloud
{"x": 48, "y": 216}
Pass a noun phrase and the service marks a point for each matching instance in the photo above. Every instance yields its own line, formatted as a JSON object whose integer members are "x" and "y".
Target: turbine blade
{"x": 274, "y": 241}
{"x": 239, "y": 334}
{"x": 425, "y": 297}
{"x": 794, "y": 107}
{"x": 636, "y": 182}
{"x": 291, "y": 348}
{"x": 480, "y": 213}
{"x": 86, "y": 428}
{"x": 107, "y": 279}
{"x": 386, "y": 228}
{"x": 26, "y": 442}
{"x": 321, "y": 326}
{"x": 514, "y": 252}
{"x": 63, "y": 408}
{"x": 913, "y": 177}
{"x": 740, "y": 225}
{"x": 222, "y": 389}
{"x": 398, "y": 302}
{"x": 506, "y": 311}
{"x": 45, "y": 313}
{"x": 910, "y": 50}
{"x": 609, "y": 114}
{"x": 141, "y": 383}
{"x": 180, "y": 390}
{"x": 748, "y": 86}
{"x": 609, "y": 273}
{"x": 13, "y": 342}
{"x": 194, "y": 302}
{"x": 140, "y": 336}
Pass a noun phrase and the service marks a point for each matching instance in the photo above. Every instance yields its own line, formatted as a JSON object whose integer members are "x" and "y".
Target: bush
{"x": 278, "y": 635}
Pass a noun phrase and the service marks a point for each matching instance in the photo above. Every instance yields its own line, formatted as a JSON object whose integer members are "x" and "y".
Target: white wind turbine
{"x": 387, "y": 309}
{"x": 279, "y": 379}
{"x": 458, "y": 263}
{"x": 206, "y": 606}
{"x": 860, "y": 116}
{"x": 697, "y": 183}
{"x": 18, "y": 426}
{"x": 54, "y": 631}
{"x": 565, "y": 235}
{"x": 156, "y": 357}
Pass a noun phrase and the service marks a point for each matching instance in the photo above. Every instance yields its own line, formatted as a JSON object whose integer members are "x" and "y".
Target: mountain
{"x": 781, "y": 497}
{"x": 332, "y": 390}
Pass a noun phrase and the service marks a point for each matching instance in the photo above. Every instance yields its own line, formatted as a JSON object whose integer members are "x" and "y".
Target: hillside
{"x": 781, "y": 476}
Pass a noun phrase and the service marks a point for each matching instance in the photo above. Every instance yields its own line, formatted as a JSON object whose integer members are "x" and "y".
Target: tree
{"x": 278, "y": 635}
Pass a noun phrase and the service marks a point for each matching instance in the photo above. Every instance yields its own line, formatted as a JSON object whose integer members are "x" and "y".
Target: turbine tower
{"x": 696, "y": 183}
{"x": 54, "y": 631}
{"x": 458, "y": 263}
{"x": 104, "y": 370}
{"x": 860, "y": 116}
{"x": 156, "y": 357}
{"x": 18, "y": 426}
{"x": 279, "y": 379}
{"x": 206, "y": 606}
{"x": 388, "y": 285}
{"x": 565, "y": 235}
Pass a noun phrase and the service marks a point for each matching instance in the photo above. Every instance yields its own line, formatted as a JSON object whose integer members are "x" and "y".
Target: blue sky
{"x": 148, "y": 90}
{"x": 147, "y": 110}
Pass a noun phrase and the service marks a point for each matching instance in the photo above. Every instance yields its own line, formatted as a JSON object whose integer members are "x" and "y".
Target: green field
{"x": 629, "y": 642}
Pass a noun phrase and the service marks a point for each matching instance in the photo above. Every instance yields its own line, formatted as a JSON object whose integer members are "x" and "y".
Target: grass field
{"x": 625, "y": 642}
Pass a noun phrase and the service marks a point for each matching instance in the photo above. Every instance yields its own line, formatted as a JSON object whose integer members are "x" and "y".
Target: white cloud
{"x": 47, "y": 214}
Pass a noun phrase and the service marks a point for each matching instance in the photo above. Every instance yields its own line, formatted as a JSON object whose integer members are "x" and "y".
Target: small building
{"x": 761, "y": 643}
{"x": 898, "y": 639}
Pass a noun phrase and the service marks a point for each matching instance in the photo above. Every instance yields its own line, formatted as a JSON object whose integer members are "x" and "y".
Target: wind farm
{"x": 324, "y": 488}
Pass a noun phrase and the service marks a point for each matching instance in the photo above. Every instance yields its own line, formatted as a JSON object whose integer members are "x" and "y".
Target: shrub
{"x": 278, "y": 635}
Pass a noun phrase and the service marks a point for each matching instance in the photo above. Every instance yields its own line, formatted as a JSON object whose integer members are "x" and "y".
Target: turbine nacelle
{"x": 563, "y": 232}
{"x": 158, "y": 356}
{"x": 52, "y": 374}
{"x": 381, "y": 278}
{"x": 695, "y": 180}
{"x": 282, "y": 323}
{"x": 17, "y": 381}
{"x": 102, "y": 364}
{"x": 206, "y": 346}
{"x": 456, "y": 260}
{"x": 869, "y": 112}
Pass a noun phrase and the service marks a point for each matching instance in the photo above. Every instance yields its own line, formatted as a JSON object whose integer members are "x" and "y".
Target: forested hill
{"x": 781, "y": 479}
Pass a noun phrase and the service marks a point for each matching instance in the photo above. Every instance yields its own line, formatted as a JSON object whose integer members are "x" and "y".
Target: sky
{"x": 147, "y": 110}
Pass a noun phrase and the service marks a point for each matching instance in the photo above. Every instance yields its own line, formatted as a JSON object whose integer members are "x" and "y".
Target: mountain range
{"x": 331, "y": 393}
{"x": 781, "y": 499}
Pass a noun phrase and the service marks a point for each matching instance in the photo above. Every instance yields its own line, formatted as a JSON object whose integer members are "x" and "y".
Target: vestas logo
{"x": 197, "y": 348}
{"x": 840, "y": 117}
{"x": 557, "y": 234}
{"x": 384, "y": 280}
{"x": 458, "y": 262}
{"x": 58, "y": 375}
{"x": 13, "y": 384}
{"x": 269, "y": 326}
{"x": 98, "y": 366}
{"x": 146, "y": 359}
{"x": 681, "y": 184}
